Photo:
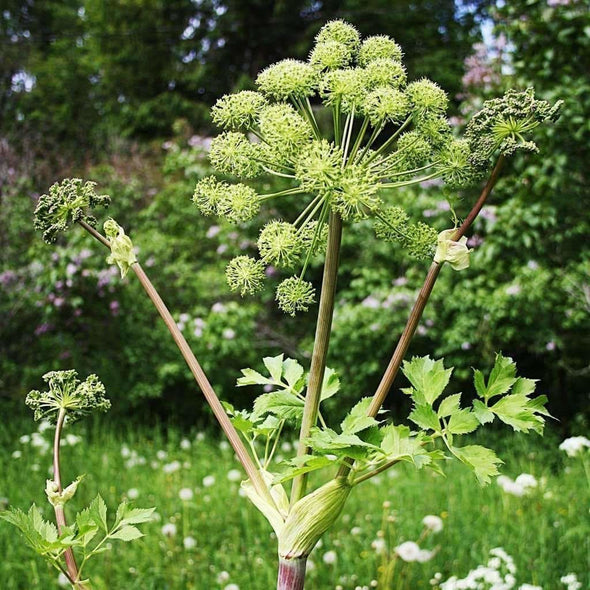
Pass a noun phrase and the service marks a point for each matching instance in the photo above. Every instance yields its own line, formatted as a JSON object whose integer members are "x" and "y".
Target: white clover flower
{"x": 62, "y": 580}
{"x": 17, "y": 454}
{"x": 25, "y": 439}
{"x": 125, "y": 452}
{"x": 133, "y": 493}
{"x": 185, "y": 444}
{"x": 433, "y": 523}
{"x": 169, "y": 529}
{"x": 424, "y": 555}
{"x": 529, "y": 587}
{"x": 379, "y": 545}
{"x": 574, "y": 445}
{"x": 231, "y": 587}
{"x": 526, "y": 480}
{"x": 208, "y": 481}
{"x": 161, "y": 455}
{"x": 408, "y": 551}
{"x": 329, "y": 557}
{"x": 189, "y": 543}
{"x": 72, "y": 439}
{"x": 223, "y": 577}
{"x": 171, "y": 467}
{"x": 571, "y": 581}
{"x": 356, "y": 530}
{"x": 185, "y": 494}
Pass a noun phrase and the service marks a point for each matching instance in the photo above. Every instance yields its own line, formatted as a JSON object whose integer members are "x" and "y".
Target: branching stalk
{"x": 200, "y": 377}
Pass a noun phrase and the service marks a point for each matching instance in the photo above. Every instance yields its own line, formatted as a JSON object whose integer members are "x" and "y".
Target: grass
{"x": 547, "y": 532}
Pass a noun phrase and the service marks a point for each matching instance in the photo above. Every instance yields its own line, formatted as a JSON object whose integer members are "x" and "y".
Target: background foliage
{"x": 119, "y": 92}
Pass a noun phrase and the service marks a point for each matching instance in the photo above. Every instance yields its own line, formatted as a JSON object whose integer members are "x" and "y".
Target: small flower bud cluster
{"x": 67, "y": 393}
{"x": 67, "y": 202}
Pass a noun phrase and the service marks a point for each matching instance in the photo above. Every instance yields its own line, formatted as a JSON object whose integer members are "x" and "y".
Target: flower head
{"x": 245, "y": 274}
{"x": 330, "y": 55}
{"x": 67, "y": 393}
{"x": 504, "y": 123}
{"x": 379, "y": 47}
{"x": 354, "y": 196}
{"x": 385, "y": 72}
{"x": 232, "y": 153}
{"x": 318, "y": 167}
{"x": 238, "y": 111}
{"x": 386, "y": 104}
{"x": 286, "y": 79}
{"x": 574, "y": 445}
{"x": 294, "y": 294}
{"x": 341, "y": 31}
{"x": 427, "y": 97}
{"x": 346, "y": 88}
{"x": 67, "y": 202}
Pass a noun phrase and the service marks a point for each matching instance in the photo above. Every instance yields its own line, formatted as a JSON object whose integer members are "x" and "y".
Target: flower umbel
{"x": 67, "y": 202}
{"x": 387, "y": 134}
{"x": 67, "y": 393}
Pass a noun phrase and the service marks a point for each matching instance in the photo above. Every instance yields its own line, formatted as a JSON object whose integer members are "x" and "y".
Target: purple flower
{"x": 42, "y": 329}
{"x": 114, "y": 307}
{"x": 7, "y": 277}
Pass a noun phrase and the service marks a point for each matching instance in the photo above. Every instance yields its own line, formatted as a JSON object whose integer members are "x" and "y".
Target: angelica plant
{"x": 67, "y": 400}
{"x": 385, "y": 133}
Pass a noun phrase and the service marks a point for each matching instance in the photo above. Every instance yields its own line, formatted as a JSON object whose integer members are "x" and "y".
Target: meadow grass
{"x": 547, "y": 532}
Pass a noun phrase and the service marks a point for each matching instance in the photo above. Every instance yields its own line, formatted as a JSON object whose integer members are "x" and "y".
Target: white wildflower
{"x": 234, "y": 475}
{"x": 433, "y": 523}
{"x": 185, "y": 444}
{"x": 189, "y": 542}
{"x": 133, "y": 493}
{"x": 574, "y": 445}
{"x": 169, "y": 529}
{"x": 208, "y": 481}
{"x": 408, "y": 551}
{"x": 329, "y": 557}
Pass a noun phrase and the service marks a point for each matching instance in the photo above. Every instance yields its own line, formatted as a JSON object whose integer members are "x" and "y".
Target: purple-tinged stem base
{"x": 291, "y": 573}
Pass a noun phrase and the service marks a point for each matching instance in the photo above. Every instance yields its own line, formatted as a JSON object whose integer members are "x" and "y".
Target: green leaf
{"x": 301, "y": 465}
{"x": 127, "y": 533}
{"x": 428, "y": 377}
{"x": 502, "y": 377}
{"x": 282, "y": 404}
{"x": 39, "y": 534}
{"x": 127, "y": 515}
{"x": 252, "y": 377}
{"x": 425, "y": 417}
{"x": 524, "y": 386}
{"x": 462, "y": 422}
{"x": 482, "y": 460}
{"x": 517, "y": 411}
{"x": 274, "y": 364}
{"x": 398, "y": 443}
{"x": 482, "y": 413}
{"x": 357, "y": 419}
{"x": 327, "y": 441}
{"x": 449, "y": 405}
{"x": 293, "y": 372}
{"x": 330, "y": 384}
{"x": 87, "y": 527}
{"x": 98, "y": 512}
{"x": 479, "y": 382}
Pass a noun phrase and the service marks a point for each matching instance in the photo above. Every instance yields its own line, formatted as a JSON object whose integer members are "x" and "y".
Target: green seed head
{"x": 294, "y": 294}
{"x": 427, "y": 97}
{"x": 330, "y": 55}
{"x": 67, "y": 393}
{"x": 379, "y": 47}
{"x": 354, "y": 196}
{"x": 245, "y": 274}
{"x": 67, "y": 202}
{"x": 231, "y": 153}
{"x": 458, "y": 170}
{"x": 346, "y": 88}
{"x": 280, "y": 244}
{"x": 318, "y": 167}
{"x": 209, "y": 196}
{"x": 385, "y": 72}
{"x": 288, "y": 78}
{"x": 341, "y": 31}
{"x": 238, "y": 111}
{"x": 386, "y": 104}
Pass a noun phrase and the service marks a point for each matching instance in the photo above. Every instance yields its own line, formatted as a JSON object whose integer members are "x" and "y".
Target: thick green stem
{"x": 320, "y": 348}
{"x": 200, "y": 377}
{"x": 291, "y": 573}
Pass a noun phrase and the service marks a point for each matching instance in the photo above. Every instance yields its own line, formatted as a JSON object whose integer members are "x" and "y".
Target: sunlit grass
{"x": 546, "y": 531}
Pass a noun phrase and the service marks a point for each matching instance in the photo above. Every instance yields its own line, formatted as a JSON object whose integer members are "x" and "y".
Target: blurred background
{"x": 119, "y": 92}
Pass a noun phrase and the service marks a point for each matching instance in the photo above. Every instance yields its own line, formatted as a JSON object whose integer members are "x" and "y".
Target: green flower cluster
{"x": 66, "y": 393}
{"x": 67, "y": 203}
{"x": 386, "y": 133}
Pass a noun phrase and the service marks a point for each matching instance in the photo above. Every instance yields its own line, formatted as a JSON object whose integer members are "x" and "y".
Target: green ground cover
{"x": 218, "y": 540}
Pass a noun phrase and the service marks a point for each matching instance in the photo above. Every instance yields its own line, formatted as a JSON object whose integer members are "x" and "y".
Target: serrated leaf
{"x": 479, "y": 382}
{"x": 282, "y": 404}
{"x": 482, "y": 413}
{"x": 428, "y": 377}
{"x": 399, "y": 444}
{"x": 482, "y": 460}
{"x": 292, "y": 372}
{"x": 449, "y": 405}
{"x": 502, "y": 377}
{"x": 252, "y": 377}
{"x": 127, "y": 533}
{"x": 425, "y": 417}
{"x": 523, "y": 386}
{"x": 330, "y": 384}
{"x": 268, "y": 426}
{"x": 357, "y": 419}
{"x": 516, "y": 411}
{"x": 98, "y": 512}
{"x": 127, "y": 515}
{"x": 274, "y": 364}
{"x": 87, "y": 527}
{"x": 242, "y": 423}
{"x": 326, "y": 441}
{"x": 462, "y": 422}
